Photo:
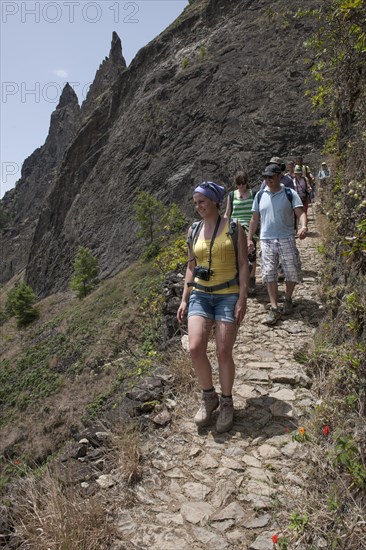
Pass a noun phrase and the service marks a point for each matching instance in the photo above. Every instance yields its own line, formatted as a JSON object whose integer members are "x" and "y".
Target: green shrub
{"x": 86, "y": 269}
{"x": 20, "y": 304}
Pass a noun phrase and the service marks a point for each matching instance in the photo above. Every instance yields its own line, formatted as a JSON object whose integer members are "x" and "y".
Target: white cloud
{"x": 61, "y": 73}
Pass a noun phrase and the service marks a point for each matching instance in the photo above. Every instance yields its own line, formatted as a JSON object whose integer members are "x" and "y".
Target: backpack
{"x": 233, "y": 232}
{"x": 289, "y": 195}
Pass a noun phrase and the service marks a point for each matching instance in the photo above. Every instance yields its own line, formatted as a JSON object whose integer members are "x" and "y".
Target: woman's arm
{"x": 228, "y": 207}
{"x": 189, "y": 277}
{"x": 241, "y": 304}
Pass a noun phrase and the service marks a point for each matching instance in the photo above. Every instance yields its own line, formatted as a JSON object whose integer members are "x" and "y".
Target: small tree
{"x": 85, "y": 274}
{"x": 150, "y": 213}
{"x": 176, "y": 220}
{"x": 20, "y": 302}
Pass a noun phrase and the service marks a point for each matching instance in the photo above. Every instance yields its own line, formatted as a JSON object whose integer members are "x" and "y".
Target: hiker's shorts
{"x": 217, "y": 307}
{"x": 280, "y": 251}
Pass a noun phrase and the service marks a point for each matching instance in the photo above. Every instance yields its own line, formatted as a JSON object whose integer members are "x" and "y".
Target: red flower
{"x": 275, "y": 539}
{"x": 326, "y": 430}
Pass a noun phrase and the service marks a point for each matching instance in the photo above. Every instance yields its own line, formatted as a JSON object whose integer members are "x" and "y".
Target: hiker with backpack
{"x": 302, "y": 187}
{"x": 306, "y": 173}
{"x": 274, "y": 207}
{"x": 215, "y": 292}
{"x": 239, "y": 207}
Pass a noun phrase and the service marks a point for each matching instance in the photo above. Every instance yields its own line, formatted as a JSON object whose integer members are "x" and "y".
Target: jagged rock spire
{"x": 68, "y": 97}
{"x": 116, "y": 51}
{"x": 109, "y": 70}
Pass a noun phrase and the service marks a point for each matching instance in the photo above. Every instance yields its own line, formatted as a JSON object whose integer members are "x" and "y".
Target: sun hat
{"x": 324, "y": 163}
{"x": 279, "y": 161}
{"x": 271, "y": 170}
{"x": 211, "y": 190}
{"x": 298, "y": 169}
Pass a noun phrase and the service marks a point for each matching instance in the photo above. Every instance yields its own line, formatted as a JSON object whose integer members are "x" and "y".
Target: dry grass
{"x": 180, "y": 366}
{"x": 48, "y": 516}
{"x": 127, "y": 445}
{"x": 328, "y": 512}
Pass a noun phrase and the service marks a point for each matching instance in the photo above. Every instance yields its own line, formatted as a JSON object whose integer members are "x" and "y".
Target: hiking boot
{"x": 210, "y": 402}
{"x": 273, "y": 316}
{"x": 225, "y": 420}
{"x": 288, "y": 306}
{"x": 251, "y": 286}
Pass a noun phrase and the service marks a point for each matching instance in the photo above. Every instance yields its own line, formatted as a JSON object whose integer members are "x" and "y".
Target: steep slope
{"x": 221, "y": 88}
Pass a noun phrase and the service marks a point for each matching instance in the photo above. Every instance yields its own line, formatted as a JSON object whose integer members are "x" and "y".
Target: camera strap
{"x": 213, "y": 240}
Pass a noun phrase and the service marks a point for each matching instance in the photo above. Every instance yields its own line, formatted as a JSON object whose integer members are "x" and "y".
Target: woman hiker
{"x": 239, "y": 206}
{"x": 215, "y": 291}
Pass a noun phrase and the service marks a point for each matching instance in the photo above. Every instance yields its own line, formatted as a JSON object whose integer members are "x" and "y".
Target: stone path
{"x": 205, "y": 490}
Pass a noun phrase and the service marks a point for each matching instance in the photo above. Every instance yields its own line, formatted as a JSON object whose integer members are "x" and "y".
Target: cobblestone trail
{"x": 218, "y": 491}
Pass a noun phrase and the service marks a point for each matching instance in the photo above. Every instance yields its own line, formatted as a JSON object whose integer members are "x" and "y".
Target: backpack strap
{"x": 289, "y": 194}
{"x": 259, "y": 195}
{"x": 231, "y": 198}
{"x": 193, "y": 233}
{"x": 233, "y": 232}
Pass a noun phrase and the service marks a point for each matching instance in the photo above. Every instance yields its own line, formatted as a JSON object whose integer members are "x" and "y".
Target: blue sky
{"x": 45, "y": 44}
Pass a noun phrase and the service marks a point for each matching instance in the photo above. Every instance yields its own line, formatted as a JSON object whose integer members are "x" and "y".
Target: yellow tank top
{"x": 223, "y": 261}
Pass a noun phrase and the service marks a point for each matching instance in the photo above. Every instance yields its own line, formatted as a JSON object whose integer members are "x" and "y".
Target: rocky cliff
{"x": 23, "y": 204}
{"x": 221, "y": 88}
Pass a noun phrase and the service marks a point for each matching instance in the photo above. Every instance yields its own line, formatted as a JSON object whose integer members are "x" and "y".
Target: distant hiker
{"x": 290, "y": 170}
{"x": 215, "y": 291}
{"x": 305, "y": 171}
{"x": 286, "y": 179}
{"x": 302, "y": 187}
{"x": 324, "y": 173}
{"x": 239, "y": 207}
{"x": 274, "y": 207}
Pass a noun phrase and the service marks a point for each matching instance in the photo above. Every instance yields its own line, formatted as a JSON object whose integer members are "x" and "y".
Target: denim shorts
{"x": 217, "y": 307}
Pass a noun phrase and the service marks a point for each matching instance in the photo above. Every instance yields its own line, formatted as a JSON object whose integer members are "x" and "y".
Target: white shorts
{"x": 284, "y": 252}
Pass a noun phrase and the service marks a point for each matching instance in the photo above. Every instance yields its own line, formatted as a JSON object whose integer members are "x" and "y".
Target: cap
{"x": 298, "y": 169}
{"x": 271, "y": 170}
{"x": 211, "y": 190}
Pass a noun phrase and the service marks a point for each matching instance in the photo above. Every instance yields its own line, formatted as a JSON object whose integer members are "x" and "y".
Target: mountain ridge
{"x": 207, "y": 96}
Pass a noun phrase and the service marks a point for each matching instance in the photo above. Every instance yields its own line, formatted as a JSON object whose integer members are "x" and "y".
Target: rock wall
{"x": 222, "y": 88}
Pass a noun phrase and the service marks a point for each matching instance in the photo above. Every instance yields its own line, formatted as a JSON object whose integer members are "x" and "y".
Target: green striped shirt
{"x": 242, "y": 209}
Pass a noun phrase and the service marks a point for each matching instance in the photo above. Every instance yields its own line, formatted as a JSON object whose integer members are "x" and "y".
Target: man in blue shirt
{"x": 274, "y": 208}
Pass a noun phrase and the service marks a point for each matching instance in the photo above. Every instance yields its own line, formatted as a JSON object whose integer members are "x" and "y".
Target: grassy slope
{"x": 59, "y": 367}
